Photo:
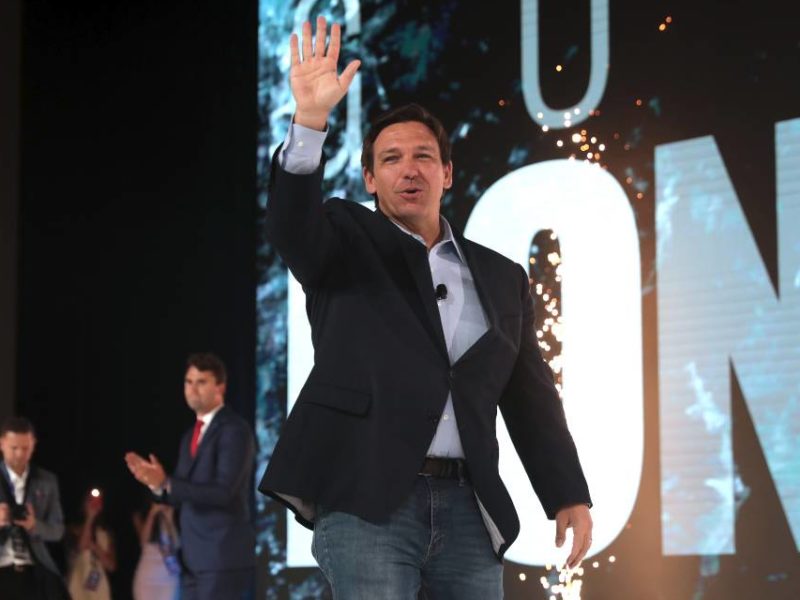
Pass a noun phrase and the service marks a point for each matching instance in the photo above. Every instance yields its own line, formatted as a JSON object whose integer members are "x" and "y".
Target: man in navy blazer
{"x": 420, "y": 336}
{"x": 210, "y": 487}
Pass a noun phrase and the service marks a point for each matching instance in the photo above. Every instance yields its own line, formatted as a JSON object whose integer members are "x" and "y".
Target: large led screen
{"x": 642, "y": 160}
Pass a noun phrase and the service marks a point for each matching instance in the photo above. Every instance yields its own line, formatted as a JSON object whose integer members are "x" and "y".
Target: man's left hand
{"x": 577, "y": 517}
{"x": 149, "y": 472}
{"x": 29, "y": 522}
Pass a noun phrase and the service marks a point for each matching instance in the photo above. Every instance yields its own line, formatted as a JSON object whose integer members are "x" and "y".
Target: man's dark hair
{"x": 16, "y": 425}
{"x": 205, "y": 361}
{"x": 404, "y": 114}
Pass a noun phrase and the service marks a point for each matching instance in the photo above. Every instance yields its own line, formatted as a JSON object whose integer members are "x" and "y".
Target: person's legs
{"x": 462, "y": 564}
{"x": 364, "y": 561}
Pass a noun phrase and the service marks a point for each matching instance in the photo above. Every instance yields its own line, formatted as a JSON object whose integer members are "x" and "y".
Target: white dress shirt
{"x": 206, "y": 419}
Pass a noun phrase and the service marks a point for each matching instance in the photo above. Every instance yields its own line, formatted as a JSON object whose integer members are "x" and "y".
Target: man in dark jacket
{"x": 420, "y": 335}
{"x": 210, "y": 487}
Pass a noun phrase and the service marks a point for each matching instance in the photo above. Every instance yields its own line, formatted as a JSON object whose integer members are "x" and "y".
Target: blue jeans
{"x": 436, "y": 541}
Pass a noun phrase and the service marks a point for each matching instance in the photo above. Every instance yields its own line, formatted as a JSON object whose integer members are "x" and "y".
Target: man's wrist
{"x": 317, "y": 121}
{"x": 159, "y": 490}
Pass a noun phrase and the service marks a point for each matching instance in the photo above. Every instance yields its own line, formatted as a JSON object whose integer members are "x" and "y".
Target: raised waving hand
{"x": 315, "y": 82}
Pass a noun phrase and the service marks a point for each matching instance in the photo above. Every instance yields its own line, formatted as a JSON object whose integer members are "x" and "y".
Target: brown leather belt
{"x": 445, "y": 468}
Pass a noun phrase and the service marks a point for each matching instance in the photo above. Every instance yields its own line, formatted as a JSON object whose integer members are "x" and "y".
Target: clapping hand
{"x": 149, "y": 472}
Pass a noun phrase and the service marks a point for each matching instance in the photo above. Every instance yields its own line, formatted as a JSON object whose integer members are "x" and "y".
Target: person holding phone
{"x": 93, "y": 555}
{"x": 30, "y": 516}
{"x": 157, "y": 573}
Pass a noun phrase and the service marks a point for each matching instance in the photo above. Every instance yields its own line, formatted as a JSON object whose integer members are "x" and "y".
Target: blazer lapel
{"x": 479, "y": 276}
{"x": 29, "y": 483}
{"x": 209, "y": 433}
{"x": 482, "y": 282}
{"x": 184, "y": 456}
{"x": 407, "y": 263}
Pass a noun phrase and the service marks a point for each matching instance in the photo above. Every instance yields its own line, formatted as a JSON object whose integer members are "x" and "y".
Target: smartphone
{"x": 19, "y": 512}
{"x": 96, "y": 498}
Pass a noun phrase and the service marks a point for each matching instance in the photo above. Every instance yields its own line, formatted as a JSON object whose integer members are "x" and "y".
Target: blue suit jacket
{"x": 212, "y": 493}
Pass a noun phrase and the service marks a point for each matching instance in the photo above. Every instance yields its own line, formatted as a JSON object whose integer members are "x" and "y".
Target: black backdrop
{"x": 137, "y": 230}
{"x": 9, "y": 193}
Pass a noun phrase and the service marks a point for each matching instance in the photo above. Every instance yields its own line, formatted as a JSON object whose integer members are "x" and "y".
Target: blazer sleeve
{"x": 535, "y": 420}
{"x": 49, "y": 525}
{"x": 298, "y": 224}
{"x": 235, "y": 451}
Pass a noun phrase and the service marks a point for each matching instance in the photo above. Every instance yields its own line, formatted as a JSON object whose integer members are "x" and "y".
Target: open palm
{"x": 315, "y": 83}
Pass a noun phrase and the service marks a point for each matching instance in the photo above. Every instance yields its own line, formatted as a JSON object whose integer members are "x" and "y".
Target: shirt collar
{"x": 16, "y": 479}
{"x": 209, "y": 416}
{"x": 447, "y": 236}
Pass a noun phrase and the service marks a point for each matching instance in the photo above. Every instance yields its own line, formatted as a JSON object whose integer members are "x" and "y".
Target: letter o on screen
{"x": 602, "y": 341}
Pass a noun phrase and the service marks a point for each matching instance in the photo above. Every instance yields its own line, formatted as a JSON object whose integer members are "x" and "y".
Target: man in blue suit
{"x": 210, "y": 487}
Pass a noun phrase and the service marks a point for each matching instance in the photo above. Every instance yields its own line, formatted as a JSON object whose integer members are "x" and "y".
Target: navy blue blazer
{"x": 212, "y": 494}
{"x": 360, "y": 429}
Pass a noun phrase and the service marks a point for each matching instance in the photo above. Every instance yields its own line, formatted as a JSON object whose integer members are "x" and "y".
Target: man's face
{"x": 203, "y": 393}
{"x": 17, "y": 450}
{"x": 408, "y": 175}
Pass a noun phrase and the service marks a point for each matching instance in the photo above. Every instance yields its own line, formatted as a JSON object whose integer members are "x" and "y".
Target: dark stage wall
{"x": 137, "y": 230}
{"x": 9, "y": 195}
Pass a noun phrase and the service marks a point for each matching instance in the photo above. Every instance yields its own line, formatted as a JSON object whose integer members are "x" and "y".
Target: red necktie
{"x": 198, "y": 425}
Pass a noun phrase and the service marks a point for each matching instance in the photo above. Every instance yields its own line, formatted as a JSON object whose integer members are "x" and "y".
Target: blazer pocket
{"x": 343, "y": 399}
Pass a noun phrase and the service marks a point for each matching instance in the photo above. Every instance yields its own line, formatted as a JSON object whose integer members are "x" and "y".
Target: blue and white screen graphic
{"x": 662, "y": 238}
